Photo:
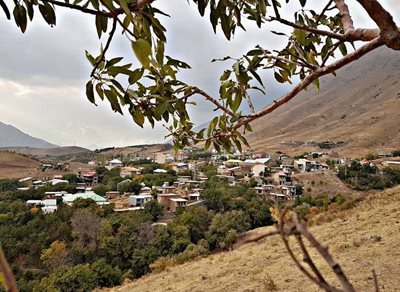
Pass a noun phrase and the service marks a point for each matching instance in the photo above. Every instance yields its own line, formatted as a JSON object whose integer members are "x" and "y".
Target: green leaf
{"x": 343, "y": 49}
{"x": 135, "y": 76}
{"x": 48, "y": 13}
{"x": 254, "y": 73}
{"x": 303, "y": 2}
{"x": 99, "y": 26}
{"x": 279, "y": 78}
{"x": 113, "y": 71}
{"x": 160, "y": 52}
{"x": 138, "y": 117}
{"x": 99, "y": 91}
{"x": 89, "y": 92}
{"x": 20, "y": 17}
{"x": 125, "y": 8}
{"x": 225, "y": 75}
{"x": 113, "y": 62}
{"x": 142, "y": 50}
{"x": 316, "y": 84}
{"x": 112, "y": 98}
{"x": 177, "y": 63}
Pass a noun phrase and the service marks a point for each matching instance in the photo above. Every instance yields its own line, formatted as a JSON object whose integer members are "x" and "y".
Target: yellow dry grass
{"x": 361, "y": 239}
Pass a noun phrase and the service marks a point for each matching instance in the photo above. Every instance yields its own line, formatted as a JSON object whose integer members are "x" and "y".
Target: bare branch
{"x": 390, "y": 33}
{"x": 78, "y": 7}
{"x": 8, "y": 275}
{"x": 248, "y": 100}
{"x": 134, "y": 7}
{"x": 347, "y": 22}
{"x": 307, "y": 259}
{"x": 275, "y": 5}
{"x": 262, "y": 236}
{"x": 301, "y": 62}
{"x": 103, "y": 53}
{"x": 309, "y": 29}
{"x": 310, "y": 78}
{"x": 347, "y": 286}
{"x": 284, "y": 238}
{"x": 215, "y": 102}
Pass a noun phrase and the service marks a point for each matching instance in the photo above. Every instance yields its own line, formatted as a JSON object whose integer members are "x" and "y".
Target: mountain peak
{"x": 10, "y": 136}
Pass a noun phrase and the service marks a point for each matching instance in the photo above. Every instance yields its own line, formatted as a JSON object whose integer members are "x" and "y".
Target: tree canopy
{"x": 319, "y": 43}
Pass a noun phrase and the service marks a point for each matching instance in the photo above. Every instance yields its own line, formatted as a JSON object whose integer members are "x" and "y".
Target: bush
{"x": 106, "y": 275}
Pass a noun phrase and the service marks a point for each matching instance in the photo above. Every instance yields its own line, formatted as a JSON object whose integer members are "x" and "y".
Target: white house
{"x": 47, "y": 205}
{"x": 391, "y": 163}
{"x": 115, "y": 163}
{"x": 139, "y": 200}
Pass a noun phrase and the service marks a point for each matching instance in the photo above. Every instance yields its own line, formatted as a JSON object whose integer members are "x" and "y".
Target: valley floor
{"x": 361, "y": 239}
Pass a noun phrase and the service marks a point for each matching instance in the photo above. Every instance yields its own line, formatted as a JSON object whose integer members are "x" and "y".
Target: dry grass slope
{"x": 13, "y": 165}
{"x": 359, "y": 106}
{"x": 361, "y": 239}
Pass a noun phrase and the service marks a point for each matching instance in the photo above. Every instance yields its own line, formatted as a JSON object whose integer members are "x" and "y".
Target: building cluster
{"x": 272, "y": 177}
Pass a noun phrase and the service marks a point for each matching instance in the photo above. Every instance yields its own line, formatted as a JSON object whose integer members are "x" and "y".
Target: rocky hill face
{"x": 13, "y": 137}
{"x": 360, "y": 106}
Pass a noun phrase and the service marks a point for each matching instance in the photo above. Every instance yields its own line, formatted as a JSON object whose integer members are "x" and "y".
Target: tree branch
{"x": 348, "y": 287}
{"x": 309, "y": 29}
{"x": 134, "y": 7}
{"x": 310, "y": 78}
{"x": 323, "y": 11}
{"x": 281, "y": 228}
{"x": 347, "y": 22}
{"x": 390, "y": 33}
{"x": 78, "y": 7}
{"x": 215, "y": 102}
{"x": 8, "y": 275}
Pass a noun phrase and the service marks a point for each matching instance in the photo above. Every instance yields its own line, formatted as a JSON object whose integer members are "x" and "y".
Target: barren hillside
{"x": 359, "y": 106}
{"x": 361, "y": 239}
{"x": 13, "y": 165}
{"x": 52, "y": 152}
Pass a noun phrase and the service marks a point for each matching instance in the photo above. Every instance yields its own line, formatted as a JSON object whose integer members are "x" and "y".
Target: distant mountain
{"x": 12, "y": 137}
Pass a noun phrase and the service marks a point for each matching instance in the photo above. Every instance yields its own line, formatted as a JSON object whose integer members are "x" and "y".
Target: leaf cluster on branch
{"x": 317, "y": 45}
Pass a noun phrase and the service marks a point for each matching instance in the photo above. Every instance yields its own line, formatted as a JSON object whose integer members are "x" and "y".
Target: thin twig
{"x": 8, "y": 275}
{"x": 323, "y": 11}
{"x": 275, "y": 5}
{"x": 330, "y": 52}
{"x": 284, "y": 238}
{"x": 306, "y": 256}
{"x": 309, "y": 29}
{"x": 215, "y": 102}
{"x": 347, "y": 286}
{"x": 80, "y": 8}
{"x": 103, "y": 53}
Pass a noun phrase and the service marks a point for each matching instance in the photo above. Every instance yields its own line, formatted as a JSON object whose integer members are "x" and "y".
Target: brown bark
{"x": 389, "y": 31}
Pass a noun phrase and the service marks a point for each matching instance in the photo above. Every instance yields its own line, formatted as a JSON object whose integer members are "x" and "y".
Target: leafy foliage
{"x": 153, "y": 92}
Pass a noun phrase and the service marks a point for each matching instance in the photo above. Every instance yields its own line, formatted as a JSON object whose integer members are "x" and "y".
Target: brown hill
{"x": 49, "y": 152}
{"x": 13, "y": 165}
{"x": 361, "y": 239}
{"x": 359, "y": 106}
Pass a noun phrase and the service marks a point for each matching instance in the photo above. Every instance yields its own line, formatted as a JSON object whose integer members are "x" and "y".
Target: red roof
{"x": 89, "y": 174}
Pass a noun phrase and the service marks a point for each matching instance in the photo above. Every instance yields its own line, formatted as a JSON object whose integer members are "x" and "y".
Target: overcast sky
{"x": 43, "y": 72}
